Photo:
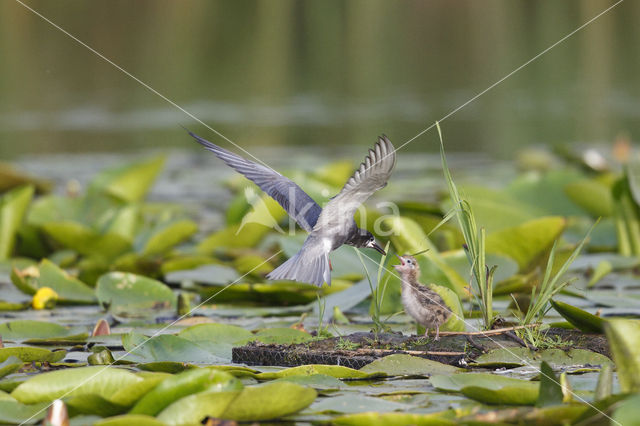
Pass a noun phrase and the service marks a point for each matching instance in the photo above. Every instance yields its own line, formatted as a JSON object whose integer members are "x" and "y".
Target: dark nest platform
{"x": 359, "y": 349}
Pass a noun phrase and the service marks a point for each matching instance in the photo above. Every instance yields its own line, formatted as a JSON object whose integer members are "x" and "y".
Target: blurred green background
{"x": 323, "y": 73}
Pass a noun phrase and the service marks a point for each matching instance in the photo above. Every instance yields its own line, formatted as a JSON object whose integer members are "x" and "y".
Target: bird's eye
{"x": 408, "y": 261}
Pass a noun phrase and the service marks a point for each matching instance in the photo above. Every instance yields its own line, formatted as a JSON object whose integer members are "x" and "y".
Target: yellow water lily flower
{"x": 45, "y": 298}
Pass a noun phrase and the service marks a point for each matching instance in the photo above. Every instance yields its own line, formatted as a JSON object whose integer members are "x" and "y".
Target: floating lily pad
{"x": 336, "y": 371}
{"x": 407, "y": 365}
{"x": 320, "y": 382}
{"x": 20, "y": 330}
{"x": 85, "y": 240}
{"x": 192, "y": 409}
{"x": 14, "y": 412}
{"x": 526, "y": 243}
{"x": 101, "y": 381}
{"x": 128, "y": 183}
{"x": 31, "y": 354}
{"x": 129, "y": 419}
{"x": 13, "y": 206}
{"x": 489, "y": 388}
{"x": 130, "y": 394}
{"x": 510, "y": 357}
{"x": 282, "y": 336}
{"x": 10, "y": 365}
{"x": 205, "y": 274}
{"x": 189, "y": 382}
{"x": 48, "y": 274}
{"x": 624, "y": 340}
{"x": 375, "y": 418}
{"x": 219, "y": 339}
{"x": 347, "y": 403}
{"x": 126, "y": 293}
{"x": 580, "y": 319}
{"x": 168, "y": 236}
{"x": 167, "y": 347}
{"x": 270, "y": 401}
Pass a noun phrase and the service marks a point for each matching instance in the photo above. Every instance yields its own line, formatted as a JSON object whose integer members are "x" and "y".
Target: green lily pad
{"x": 580, "y": 319}
{"x": 31, "y": 354}
{"x": 129, "y": 419}
{"x": 168, "y": 236}
{"x": 82, "y": 381}
{"x": 13, "y": 206}
{"x": 10, "y": 365}
{"x": 93, "y": 404}
{"x": 592, "y": 196}
{"x": 527, "y": 243}
{"x": 20, "y": 330}
{"x": 126, "y": 293}
{"x": 189, "y": 382}
{"x": 489, "y": 388}
{"x": 550, "y": 388}
{"x": 192, "y": 409}
{"x": 167, "y": 347}
{"x": 407, "y": 365}
{"x": 85, "y": 240}
{"x": 354, "y": 403}
{"x": 129, "y": 183}
{"x": 129, "y": 395}
{"x": 269, "y": 401}
{"x": 511, "y": 357}
{"x": 219, "y": 339}
{"x": 624, "y": 341}
{"x": 14, "y": 412}
{"x": 282, "y": 336}
{"x": 627, "y": 412}
{"x": 205, "y": 274}
{"x": 320, "y": 382}
{"x": 390, "y": 419}
{"x": 336, "y": 371}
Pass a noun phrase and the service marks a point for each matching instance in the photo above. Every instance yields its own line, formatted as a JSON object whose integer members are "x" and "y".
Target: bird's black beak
{"x": 374, "y": 245}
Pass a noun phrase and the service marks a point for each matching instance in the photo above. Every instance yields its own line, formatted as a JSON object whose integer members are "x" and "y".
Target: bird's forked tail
{"x": 312, "y": 270}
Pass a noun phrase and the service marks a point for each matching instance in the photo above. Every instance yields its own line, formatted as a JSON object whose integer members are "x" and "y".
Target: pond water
{"x": 316, "y": 74}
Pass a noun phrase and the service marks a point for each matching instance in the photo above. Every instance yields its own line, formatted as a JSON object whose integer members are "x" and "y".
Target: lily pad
{"x": 168, "y": 236}
{"x": 167, "y": 347}
{"x": 129, "y": 183}
{"x": 129, "y": 419}
{"x": 336, "y": 371}
{"x": 14, "y": 412}
{"x": 20, "y": 330}
{"x": 31, "y": 354}
{"x": 13, "y": 206}
{"x": 189, "y": 382}
{"x": 101, "y": 381}
{"x": 592, "y": 196}
{"x": 85, "y": 240}
{"x": 550, "y": 388}
{"x": 347, "y": 403}
{"x": 580, "y": 319}
{"x": 510, "y": 357}
{"x": 527, "y": 243}
{"x": 270, "y": 401}
{"x": 128, "y": 293}
{"x": 10, "y": 365}
{"x": 205, "y": 274}
{"x": 219, "y": 339}
{"x": 282, "y": 336}
{"x": 489, "y": 388}
{"x": 320, "y": 382}
{"x": 192, "y": 409}
{"x": 624, "y": 340}
{"x": 390, "y": 419}
{"x": 407, "y": 365}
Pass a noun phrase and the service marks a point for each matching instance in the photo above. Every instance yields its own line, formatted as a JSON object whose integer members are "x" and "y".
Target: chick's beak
{"x": 374, "y": 245}
{"x": 401, "y": 260}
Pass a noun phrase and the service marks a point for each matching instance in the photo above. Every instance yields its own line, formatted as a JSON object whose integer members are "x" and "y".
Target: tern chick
{"x": 329, "y": 227}
{"x": 424, "y": 305}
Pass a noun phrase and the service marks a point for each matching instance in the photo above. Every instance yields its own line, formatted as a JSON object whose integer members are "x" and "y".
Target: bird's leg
{"x": 330, "y": 266}
{"x": 426, "y": 332}
{"x": 437, "y": 332}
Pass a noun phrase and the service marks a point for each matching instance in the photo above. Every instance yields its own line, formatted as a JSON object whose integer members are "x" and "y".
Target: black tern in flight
{"x": 328, "y": 228}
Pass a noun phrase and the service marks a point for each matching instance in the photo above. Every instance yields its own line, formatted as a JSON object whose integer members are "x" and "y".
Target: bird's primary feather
{"x": 297, "y": 203}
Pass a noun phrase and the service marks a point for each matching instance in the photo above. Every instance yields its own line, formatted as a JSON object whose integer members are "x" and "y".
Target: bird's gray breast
{"x": 335, "y": 231}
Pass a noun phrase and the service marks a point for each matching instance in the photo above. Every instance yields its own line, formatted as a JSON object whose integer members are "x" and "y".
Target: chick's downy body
{"x": 424, "y": 305}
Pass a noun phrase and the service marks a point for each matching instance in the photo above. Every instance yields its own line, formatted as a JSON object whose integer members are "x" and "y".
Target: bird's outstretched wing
{"x": 372, "y": 175}
{"x": 297, "y": 203}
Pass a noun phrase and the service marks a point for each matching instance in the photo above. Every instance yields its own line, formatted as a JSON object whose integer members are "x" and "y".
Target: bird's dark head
{"x": 408, "y": 266}
{"x": 366, "y": 239}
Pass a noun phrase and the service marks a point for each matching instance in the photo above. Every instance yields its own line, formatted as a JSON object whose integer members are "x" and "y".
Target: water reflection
{"x": 321, "y": 73}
